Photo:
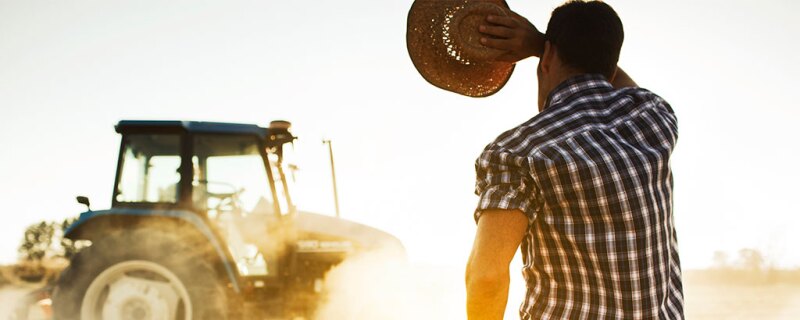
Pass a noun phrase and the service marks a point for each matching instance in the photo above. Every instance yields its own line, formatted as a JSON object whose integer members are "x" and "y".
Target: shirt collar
{"x": 576, "y": 84}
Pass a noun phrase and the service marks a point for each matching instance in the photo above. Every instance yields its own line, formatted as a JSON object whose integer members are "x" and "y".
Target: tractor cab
{"x": 233, "y": 175}
{"x": 204, "y": 167}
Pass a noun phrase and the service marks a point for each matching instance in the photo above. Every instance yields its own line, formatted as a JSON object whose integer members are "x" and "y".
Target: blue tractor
{"x": 202, "y": 226}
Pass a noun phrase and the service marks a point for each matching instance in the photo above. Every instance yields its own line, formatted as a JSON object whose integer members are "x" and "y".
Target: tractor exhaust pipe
{"x": 333, "y": 176}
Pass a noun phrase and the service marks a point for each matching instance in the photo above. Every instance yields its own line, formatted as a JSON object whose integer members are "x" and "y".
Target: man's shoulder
{"x": 643, "y": 96}
{"x": 576, "y": 114}
{"x": 616, "y": 105}
{"x": 523, "y": 139}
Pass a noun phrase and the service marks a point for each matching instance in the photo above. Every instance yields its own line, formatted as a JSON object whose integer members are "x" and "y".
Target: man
{"x": 584, "y": 186}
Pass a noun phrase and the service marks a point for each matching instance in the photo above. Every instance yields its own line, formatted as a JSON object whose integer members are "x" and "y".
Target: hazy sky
{"x": 69, "y": 70}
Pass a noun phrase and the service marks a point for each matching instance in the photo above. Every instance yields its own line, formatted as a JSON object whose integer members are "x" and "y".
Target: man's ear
{"x": 548, "y": 56}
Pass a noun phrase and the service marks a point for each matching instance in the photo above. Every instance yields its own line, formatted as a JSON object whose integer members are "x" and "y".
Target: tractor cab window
{"x": 149, "y": 171}
{"x": 229, "y": 176}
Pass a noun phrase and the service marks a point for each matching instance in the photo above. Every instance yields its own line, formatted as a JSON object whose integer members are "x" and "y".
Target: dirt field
{"x": 705, "y": 299}
{"x": 741, "y": 301}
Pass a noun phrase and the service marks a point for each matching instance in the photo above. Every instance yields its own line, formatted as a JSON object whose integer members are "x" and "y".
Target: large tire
{"x": 148, "y": 256}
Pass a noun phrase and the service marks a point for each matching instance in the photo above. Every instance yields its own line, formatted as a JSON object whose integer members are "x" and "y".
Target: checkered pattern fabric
{"x": 592, "y": 174}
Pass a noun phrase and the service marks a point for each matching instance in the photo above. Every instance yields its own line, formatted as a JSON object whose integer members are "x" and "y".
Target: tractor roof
{"x": 154, "y": 126}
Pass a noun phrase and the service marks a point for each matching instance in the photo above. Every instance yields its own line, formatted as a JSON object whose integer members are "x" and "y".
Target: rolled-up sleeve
{"x": 504, "y": 181}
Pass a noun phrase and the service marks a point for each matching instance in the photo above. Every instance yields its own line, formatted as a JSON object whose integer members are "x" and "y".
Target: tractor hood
{"x": 338, "y": 231}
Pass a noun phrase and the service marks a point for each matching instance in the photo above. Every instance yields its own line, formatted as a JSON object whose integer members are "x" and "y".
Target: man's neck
{"x": 556, "y": 81}
{"x": 563, "y": 76}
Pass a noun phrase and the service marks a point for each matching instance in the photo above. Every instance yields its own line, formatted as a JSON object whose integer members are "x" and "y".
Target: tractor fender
{"x": 86, "y": 228}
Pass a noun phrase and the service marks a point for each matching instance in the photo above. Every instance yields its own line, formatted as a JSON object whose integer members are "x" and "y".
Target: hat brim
{"x": 439, "y": 62}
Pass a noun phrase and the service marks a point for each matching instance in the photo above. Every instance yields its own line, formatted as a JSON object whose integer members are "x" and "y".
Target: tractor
{"x": 202, "y": 226}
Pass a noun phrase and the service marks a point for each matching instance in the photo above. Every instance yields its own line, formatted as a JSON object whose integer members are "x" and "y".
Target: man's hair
{"x": 588, "y": 36}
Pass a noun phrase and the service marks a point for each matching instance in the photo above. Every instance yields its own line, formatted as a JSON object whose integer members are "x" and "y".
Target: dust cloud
{"x": 382, "y": 285}
{"x": 10, "y": 297}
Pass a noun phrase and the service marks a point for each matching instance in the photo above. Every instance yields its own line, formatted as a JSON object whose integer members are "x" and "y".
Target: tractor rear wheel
{"x": 140, "y": 274}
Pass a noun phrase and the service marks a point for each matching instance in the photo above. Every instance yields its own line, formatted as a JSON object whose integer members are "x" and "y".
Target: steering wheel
{"x": 228, "y": 201}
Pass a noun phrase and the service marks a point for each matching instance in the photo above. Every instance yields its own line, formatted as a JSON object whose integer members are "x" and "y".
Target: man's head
{"x": 582, "y": 37}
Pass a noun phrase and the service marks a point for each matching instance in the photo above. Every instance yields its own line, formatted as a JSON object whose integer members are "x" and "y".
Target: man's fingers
{"x": 497, "y": 31}
{"x": 502, "y": 20}
{"x": 501, "y": 44}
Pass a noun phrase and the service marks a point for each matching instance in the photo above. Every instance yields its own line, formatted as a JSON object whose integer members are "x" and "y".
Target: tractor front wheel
{"x": 140, "y": 274}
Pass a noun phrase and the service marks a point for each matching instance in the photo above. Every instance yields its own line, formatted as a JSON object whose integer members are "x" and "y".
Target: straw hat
{"x": 444, "y": 44}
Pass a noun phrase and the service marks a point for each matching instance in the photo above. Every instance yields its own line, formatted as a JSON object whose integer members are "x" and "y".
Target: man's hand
{"x": 513, "y": 34}
{"x": 497, "y": 239}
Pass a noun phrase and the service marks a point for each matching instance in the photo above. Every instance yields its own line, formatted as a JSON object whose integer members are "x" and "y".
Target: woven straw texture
{"x": 443, "y": 42}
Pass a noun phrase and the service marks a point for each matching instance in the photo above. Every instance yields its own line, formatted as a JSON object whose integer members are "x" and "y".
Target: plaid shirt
{"x": 592, "y": 174}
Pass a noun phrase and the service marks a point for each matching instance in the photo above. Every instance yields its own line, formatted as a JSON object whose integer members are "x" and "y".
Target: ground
{"x": 709, "y": 295}
{"x": 742, "y": 301}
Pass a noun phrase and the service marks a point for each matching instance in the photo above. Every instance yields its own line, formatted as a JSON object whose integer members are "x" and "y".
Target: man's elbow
{"x": 482, "y": 280}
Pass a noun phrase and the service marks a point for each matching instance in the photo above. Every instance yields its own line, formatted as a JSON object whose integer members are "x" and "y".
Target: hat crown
{"x": 443, "y": 41}
{"x": 464, "y": 30}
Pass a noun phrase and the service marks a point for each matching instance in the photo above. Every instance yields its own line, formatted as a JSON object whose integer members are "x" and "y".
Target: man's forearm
{"x": 487, "y": 297}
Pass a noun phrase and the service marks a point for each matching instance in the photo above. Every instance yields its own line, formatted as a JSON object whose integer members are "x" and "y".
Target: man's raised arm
{"x": 520, "y": 39}
{"x": 621, "y": 79}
